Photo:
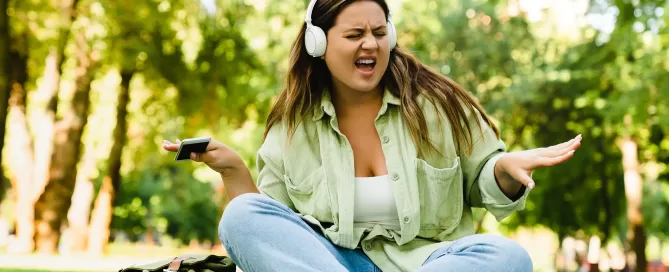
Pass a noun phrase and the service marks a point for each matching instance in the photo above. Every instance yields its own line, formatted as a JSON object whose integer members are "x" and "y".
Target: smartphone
{"x": 197, "y": 145}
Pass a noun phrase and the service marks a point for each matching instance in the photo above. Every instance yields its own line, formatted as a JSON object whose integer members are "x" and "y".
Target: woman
{"x": 372, "y": 161}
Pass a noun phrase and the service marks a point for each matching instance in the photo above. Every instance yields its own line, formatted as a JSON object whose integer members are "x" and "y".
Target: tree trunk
{"x": 53, "y": 204}
{"x": 82, "y": 198}
{"x": 634, "y": 192}
{"x": 19, "y": 141}
{"x": 102, "y": 212}
{"x": 44, "y": 136}
{"x": 5, "y": 68}
{"x": 48, "y": 96}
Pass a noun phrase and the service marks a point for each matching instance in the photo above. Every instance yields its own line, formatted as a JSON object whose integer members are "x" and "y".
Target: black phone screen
{"x": 186, "y": 149}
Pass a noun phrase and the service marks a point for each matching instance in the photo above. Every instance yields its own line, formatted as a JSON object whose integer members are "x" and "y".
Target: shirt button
{"x": 386, "y": 139}
{"x": 406, "y": 219}
{"x": 368, "y": 247}
{"x": 395, "y": 176}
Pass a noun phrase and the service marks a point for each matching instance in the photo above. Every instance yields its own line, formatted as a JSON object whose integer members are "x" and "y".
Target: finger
{"x": 551, "y": 152}
{"x": 525, "y": 179}
{"x": 572, "y": 147}
{"x": 561, "y": 146}
{"x": 170, "y": 146}
{"x": 575, "y": 145}
{"x": 213, "y": 145}
{"x": 567, "y": 143}
{"x": 552, "y": 161}
{"x": 205, "y": 157}
{"x": 195, "y": 157}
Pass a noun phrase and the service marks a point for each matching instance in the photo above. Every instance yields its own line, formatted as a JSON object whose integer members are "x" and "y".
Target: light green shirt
{"x": 314, "y": 176}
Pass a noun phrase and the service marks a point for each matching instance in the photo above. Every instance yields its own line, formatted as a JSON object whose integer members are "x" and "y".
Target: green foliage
{"x": 167, "y": 198}
{"x": 221, "y": 72}
{"x": 472, "y": 42}
{"x": 656, "y": 208}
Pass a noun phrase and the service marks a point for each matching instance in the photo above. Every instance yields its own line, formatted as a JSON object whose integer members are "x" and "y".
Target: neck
{"x": 349, "y": 102}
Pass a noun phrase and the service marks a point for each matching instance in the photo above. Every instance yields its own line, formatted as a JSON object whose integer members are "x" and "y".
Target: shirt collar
{"x": 326, "y": 106}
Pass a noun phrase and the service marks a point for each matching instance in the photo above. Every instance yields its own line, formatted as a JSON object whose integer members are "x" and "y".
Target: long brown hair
{"x": 406, "y": 77}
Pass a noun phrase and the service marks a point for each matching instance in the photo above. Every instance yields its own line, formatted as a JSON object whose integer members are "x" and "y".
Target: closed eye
{"x": 356, "y": 33}
{"x": 356, "y": 36}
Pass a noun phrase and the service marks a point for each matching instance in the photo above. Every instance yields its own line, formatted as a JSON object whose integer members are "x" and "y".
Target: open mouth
{"x": 365, "y": 64}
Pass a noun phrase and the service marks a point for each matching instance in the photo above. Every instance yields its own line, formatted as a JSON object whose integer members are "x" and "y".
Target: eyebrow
{"x": 362, "y": 29}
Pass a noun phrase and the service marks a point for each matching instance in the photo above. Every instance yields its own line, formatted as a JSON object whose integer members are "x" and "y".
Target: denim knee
{"x": 509, "y": 250}
{"x": 240, "y": 216}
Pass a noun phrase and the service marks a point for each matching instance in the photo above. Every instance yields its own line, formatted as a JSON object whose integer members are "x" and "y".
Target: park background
{"x": 89, "y": 89}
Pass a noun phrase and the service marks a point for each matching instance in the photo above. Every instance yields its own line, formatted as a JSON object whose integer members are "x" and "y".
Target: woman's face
{"x": 358, "y": 47}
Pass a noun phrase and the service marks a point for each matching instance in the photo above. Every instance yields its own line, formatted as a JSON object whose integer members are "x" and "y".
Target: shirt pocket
{"x": 441, "y": 197}
{"x": 310, "y": 194}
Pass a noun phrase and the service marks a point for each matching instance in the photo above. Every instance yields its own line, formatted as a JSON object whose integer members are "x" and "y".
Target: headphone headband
{"x": 310, "y": 8}
{"x": 315, "y": 40}
{"x": 312, "y": 3}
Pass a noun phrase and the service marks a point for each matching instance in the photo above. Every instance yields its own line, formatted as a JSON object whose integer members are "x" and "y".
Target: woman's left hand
{"x": 516, "y": 167}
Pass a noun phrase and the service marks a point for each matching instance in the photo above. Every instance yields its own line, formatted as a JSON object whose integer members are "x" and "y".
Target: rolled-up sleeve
{"x": 481, "y": 188}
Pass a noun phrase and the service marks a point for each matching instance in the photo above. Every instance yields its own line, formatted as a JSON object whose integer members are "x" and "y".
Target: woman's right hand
{"x": 218, "y": 156}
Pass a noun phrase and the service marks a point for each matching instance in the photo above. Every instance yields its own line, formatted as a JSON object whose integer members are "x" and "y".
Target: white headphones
{"x": 315, "y": 39}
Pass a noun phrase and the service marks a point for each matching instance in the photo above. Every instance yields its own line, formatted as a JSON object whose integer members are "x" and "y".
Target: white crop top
{"x": 374, "y": 203}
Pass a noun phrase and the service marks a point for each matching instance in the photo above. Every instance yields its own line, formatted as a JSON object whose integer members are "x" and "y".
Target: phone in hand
{"x": 197, "y": 145}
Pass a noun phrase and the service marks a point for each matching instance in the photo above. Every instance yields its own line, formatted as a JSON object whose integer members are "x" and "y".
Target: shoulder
{"x": 295, "y": 155}
{"x": 430, "y": 103}
{"x": 451, "y": 121}
{"x": 436, "y": 112}
{"x": 433, "y": 112}
{"x": 272, "y": 146}
{"x": 280, "y": 142}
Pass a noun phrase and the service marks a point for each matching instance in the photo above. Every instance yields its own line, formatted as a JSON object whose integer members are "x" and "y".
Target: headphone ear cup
{"x": 315, "y": 41}
{"x": 392, "y": 35}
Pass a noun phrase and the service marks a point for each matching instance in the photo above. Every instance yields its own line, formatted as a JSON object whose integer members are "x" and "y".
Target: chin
{"x": 365, "y": 89}
{"x": 365, "y": 86}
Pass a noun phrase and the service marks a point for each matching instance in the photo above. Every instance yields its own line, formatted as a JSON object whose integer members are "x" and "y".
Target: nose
{"x": 370, "y": 42}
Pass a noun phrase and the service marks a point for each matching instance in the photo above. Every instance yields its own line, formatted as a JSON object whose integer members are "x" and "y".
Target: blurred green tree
{"x": 5, "y": 78}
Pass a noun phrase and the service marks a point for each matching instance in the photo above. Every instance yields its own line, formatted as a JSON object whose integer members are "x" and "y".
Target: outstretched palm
{"x": 519, "y": 165}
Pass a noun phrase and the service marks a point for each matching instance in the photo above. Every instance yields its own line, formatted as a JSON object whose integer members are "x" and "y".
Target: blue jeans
{"x": 261, "y": 234}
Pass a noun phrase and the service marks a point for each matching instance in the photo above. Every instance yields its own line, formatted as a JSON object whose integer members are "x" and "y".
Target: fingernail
{"x": 531, "y": 185}
{"x": 165, "y": 142}
{"x": 571, "y": 152}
